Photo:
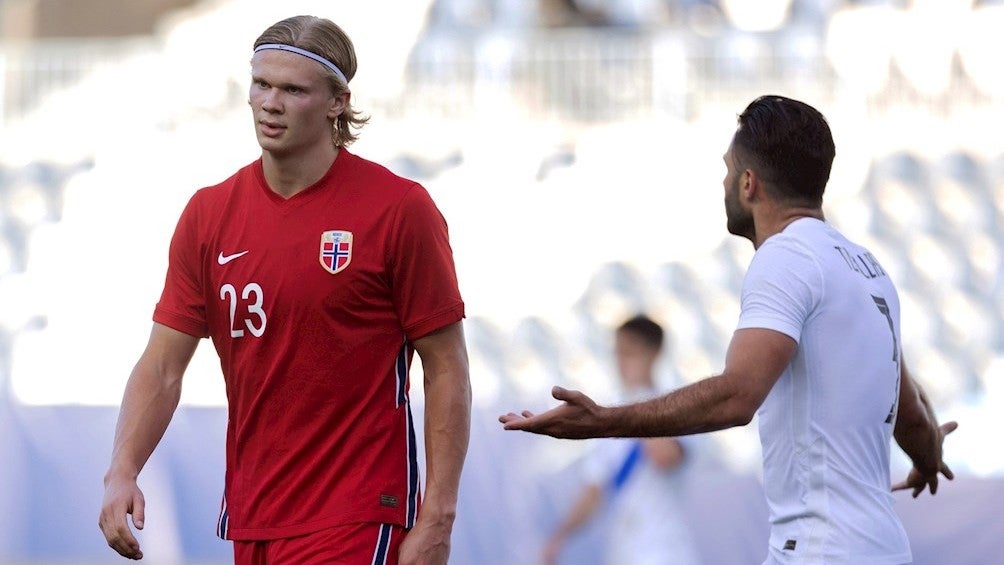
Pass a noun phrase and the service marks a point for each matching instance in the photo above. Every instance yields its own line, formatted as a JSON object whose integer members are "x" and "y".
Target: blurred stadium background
{"x": 574, "y": 147}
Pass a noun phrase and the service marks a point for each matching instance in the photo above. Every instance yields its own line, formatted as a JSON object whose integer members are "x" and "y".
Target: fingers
{"x": 914, "y": 481}
{"x": 515, "y": 422}
{"x": 120, "y": 538}
{"x": 919, "y": 483}
{"x": 565, "y": 395}
{"x": 113, "y": 522}
{"x": 124, "y": 542}
{"x": 948, "y": 427}
{"x": 551, "y": 421}
{"x": 947, "y": 472}
{"x": 904, "y": 485}
{"x": 510, "y": 417}
{"x": 138, "y": 510}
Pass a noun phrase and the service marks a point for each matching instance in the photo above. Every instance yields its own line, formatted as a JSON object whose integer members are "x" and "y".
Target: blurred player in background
{"x": 317, "y": 274}
{"x": 642, "y": 478}
{"x": 817, "y": 354}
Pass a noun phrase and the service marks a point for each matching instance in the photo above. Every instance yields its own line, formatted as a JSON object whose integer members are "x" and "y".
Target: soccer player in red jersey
{"x": 317, "y": 274}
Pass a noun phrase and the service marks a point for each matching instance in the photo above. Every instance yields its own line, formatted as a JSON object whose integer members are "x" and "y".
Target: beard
{"x": 738, "y": 221}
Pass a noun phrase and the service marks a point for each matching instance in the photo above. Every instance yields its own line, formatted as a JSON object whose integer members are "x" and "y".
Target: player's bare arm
{"x": 755, "y": 360}
{"x": 582, "y": 511}
{"x": 447, "y": 431}
{"x": 917, "y": 432}
{"x": 148, "y": 404}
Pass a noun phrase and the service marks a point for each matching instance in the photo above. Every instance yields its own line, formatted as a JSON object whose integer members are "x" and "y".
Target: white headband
{"x": 307, "y": 54}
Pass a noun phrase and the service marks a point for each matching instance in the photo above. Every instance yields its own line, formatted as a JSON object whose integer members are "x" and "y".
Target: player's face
{"x": 635, "y": 360}
{"x": 292, "y": 103}
{"x": 739, "y": 221}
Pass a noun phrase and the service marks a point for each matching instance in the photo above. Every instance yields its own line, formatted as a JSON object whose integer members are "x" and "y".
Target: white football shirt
{"x": 826, "y": 425}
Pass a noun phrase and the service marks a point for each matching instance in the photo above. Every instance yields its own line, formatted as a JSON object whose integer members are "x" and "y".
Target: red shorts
{"x": 351, "y": 544}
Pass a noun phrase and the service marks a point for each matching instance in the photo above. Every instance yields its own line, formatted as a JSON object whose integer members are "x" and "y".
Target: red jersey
{"x": 312, "y": 303}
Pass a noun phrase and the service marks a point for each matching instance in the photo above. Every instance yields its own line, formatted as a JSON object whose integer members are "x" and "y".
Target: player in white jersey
{"x": 825, "y": 426}
{"x": 817, "y": 355}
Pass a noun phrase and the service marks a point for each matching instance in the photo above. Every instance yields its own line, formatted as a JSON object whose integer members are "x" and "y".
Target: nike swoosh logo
{"x": 224, "y": 259}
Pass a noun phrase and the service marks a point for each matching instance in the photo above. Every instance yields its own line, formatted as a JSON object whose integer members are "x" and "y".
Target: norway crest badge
{"x": 336, "y": 250}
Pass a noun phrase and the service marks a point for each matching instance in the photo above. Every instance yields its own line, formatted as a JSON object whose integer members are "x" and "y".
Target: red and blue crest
{"x": 336, "y": 250}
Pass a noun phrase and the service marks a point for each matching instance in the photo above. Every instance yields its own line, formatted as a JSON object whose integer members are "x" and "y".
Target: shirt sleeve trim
{"x": 765, "y": 323}
{"x": 440, "y": 320}
{"x": 183, "y": 324}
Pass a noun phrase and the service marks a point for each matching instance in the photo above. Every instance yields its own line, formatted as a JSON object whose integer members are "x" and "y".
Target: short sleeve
{"x": 781, "y": 289}
{"x": 423, "y": 276}
{"x": 182, "y": 304}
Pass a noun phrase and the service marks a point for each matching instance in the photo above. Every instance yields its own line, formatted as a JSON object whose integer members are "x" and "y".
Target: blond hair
{"x": 323, "y": 37}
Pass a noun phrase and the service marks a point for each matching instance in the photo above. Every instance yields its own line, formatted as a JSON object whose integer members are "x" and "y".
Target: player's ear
{"x": 338, "y": 105}
{"x": 745, "y": 183}
{"x": 750, "y": 185}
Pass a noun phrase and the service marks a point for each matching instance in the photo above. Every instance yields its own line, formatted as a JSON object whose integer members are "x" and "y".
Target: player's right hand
{"x": 122, "y": 497}
{"x": 577, "y": 418}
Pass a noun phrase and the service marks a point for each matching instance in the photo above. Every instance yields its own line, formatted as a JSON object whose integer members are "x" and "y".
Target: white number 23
{"x": 228, "y": 292}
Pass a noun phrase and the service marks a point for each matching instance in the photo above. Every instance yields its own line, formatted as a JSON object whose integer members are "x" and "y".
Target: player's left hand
{"x": 122, "y": 497}
{"x": 578, "y": 418}
{"x": 426, "y": 544}
{"x": 919, "y": 481}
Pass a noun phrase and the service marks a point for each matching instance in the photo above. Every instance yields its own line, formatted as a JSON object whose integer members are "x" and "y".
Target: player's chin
{"x": 273, "y": 139}
{"x": 276, "y": 148}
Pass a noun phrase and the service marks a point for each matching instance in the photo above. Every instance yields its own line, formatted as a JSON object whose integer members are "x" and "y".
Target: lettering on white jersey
{"x": 883, "y": 307}
{"x": 864, "y": 264}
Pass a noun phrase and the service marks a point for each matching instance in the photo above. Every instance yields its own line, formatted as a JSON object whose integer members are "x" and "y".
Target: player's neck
{"x": 776, "y": 219}
{"x": 640, "y": 386}
{"x": 287, "y": 175}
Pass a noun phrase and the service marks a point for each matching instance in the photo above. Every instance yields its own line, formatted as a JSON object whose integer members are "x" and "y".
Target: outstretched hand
{"x": 578, "y": 418}
{"x": 918, "y": 481}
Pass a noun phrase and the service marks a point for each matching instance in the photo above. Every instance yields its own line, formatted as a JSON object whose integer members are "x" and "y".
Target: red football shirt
{"x": 311, "y": 303}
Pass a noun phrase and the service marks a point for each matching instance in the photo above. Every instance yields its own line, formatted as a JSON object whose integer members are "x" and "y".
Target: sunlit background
{"x": 575, "y": 150}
